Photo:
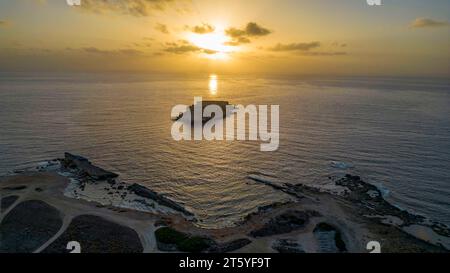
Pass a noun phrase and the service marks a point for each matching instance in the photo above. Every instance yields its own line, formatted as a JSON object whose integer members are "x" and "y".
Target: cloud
{"x": 128, "y": 52}
{"x": 304, "y": 49}
{"x": 428, "y": 23}
{"x": 242, "y": 36}
{"x": 95, "y": 50}
{"x": 325, "y": 53}
{"x": 201, "y": 29}
{"x": 238, "y": 41}
{"x": 146, "y": 42}
{"x": 181, "y": 49}
{"x": 162, "y": 28}
{"x": 36, "y": 50}
{"x": 337, "y": 44}
{"x": 128, "y": 7}
{"x": 253, "y": 29}
{"x": 295, "y": 46}
{"x": 235, "y": 32}
{"x": 125, "y": 51}
{"x": 184, "y": 46}
{"x": 142, "y": 44}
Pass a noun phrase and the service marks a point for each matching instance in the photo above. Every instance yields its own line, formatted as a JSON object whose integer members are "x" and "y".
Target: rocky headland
{"x": 70, "y": 199}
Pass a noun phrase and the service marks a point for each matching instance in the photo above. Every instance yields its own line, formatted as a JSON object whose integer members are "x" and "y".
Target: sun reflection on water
{"x": 213, "y": 84}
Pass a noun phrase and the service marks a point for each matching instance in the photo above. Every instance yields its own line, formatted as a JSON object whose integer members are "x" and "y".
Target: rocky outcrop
{"x": 284, "y": 187}
{"x": 285, "y": 223}
{"x": 83, "y": 165}
{"x": 148, "y": 193}
{"x": 370, "y": 201}
{"x": 366, "y": 199}
{"x": 87, "y": 173}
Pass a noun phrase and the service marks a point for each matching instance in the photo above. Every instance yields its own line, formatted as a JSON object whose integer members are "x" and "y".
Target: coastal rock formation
{"x": 282, "y": 188}
{"x": 28, "y": 226}
{"x": 148, "y": 193}
{"x": 87, "y": 174}
{"x": 86, "y": 167}
{"x": 371, "y": 202}
{"x": 125, "y": 220}
{"x": 97, "y": 235}
{"x": 364, "y": 203}
{"x": 285, "y": 223}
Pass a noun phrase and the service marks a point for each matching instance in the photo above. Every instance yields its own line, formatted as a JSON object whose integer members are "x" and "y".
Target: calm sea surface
{"x": 395, "y": 133}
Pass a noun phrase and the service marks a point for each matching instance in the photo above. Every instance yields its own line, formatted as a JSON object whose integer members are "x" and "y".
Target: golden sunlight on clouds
{"x": 223, "y": 36}
{"x": 214, "y": 43}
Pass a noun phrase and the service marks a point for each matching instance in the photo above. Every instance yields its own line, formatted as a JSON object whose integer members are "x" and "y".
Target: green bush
{"x": 194, "y": 244}
{"x": 168, "y": 235}
{"x": 324, "y": 227}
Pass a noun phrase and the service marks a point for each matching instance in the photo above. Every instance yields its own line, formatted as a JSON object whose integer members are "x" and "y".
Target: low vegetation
{"x": 182, "y": 241}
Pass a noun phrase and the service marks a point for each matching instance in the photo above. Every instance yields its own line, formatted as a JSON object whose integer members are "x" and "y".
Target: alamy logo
{"x": 374, "y": 247}
{"x": 74, "y": 247}
{"x": 374, "y": 2}
{"x": 73, "y": 2}
{"x": 210, "y": 117}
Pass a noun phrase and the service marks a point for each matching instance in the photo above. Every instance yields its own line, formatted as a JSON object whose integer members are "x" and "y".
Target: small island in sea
{"x": 190, "y": 111}
{"x": 70, "y": 199}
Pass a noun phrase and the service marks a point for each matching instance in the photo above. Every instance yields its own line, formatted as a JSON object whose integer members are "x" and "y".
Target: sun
{"x": 214, "y": 44}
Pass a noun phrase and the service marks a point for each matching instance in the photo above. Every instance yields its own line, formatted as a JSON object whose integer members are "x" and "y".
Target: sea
{"x": 393, "y": 132}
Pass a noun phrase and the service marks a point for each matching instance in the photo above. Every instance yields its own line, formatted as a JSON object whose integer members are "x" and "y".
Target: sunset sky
{"x": 292, "y": 37}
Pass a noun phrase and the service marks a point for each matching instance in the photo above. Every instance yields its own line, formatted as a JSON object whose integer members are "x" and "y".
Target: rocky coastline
{"x": 72, "y": 198}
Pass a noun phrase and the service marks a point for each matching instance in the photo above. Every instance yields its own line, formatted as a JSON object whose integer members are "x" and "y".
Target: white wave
{"x": 341, "y": 165}
{"x": 50, "y": 165}
{"x": 383, "y": 190}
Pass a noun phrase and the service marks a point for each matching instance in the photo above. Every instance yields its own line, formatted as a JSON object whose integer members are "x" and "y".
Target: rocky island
{"x": 190, "y": 111}
{"x": 70, "y": 199}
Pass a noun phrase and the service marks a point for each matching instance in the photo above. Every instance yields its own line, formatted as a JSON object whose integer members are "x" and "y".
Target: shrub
{"x": 168, "y": 235}
{"x": 194, "y": 244}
